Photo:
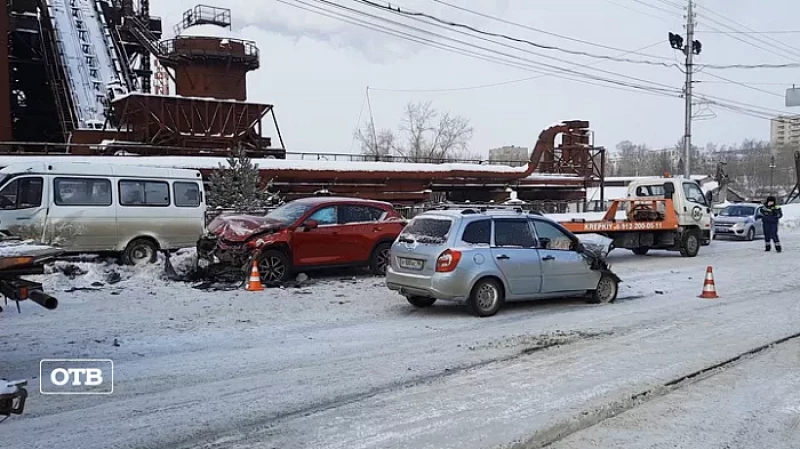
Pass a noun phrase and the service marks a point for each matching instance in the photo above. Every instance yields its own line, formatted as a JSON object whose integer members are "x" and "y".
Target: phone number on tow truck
{"x": 624, "y": 226}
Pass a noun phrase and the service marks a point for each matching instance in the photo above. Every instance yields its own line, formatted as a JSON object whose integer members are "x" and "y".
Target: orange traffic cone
{"x": 709, "y": 288}
{"x": 254, "y": 283}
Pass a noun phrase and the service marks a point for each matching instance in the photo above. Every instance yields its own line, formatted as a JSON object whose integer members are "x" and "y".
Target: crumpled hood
{"x": 596, "y": 243}
{"x": 238, "y": 228}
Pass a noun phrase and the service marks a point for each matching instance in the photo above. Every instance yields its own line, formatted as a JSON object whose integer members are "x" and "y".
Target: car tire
{"x": 140, "y": 251}
{"x": 641, "y": 251}
{"x": 274, "y": 267}
{"x": 606, "y": 291}
{"x": 420, "y": 301}
{"x": 751, "y": 234}
{"x": 690, "y": 244}
{"x": 380, "y": 259}
{"x": 486, "y": 298}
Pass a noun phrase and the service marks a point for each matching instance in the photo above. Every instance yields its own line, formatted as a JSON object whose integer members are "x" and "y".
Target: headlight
{"x": 738, "y": 225}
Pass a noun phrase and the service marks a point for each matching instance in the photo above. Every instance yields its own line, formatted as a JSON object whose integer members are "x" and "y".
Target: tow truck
{"x": 18, "y": 259}
{"x": 665, "y": 213}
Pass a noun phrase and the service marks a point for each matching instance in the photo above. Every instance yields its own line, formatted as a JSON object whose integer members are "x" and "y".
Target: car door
{"x": 358, "y": 231}
{"x": 563, "y": 268}
{"x": 759, "y": 222}
{"x": 318, "y": 246}
{"x": 23, "y": 206}
{"x": 514, "y": 251}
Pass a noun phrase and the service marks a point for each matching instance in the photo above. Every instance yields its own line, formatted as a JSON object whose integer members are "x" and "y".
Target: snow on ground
{"x": 341, "y": 362}
{"x": 752, "y": 405}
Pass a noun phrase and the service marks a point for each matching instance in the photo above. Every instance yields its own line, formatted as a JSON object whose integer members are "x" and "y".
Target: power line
{"x": 752, "y": 32}
{"x": 418, "y": 18}
{"x": 792, "y": 50}
{"x": 638, "y": 11}
{"x": 549, "y": 33}
{"x": 500, "y": 83}
{"x": 745, "y": 85}
{"x": 397, "y": 10}
{"x": 666, "y": 11}
{"x": 524, "y": 63}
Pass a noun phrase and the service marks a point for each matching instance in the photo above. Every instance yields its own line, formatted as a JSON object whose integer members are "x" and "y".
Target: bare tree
{"x": 376, "y": 146}
{"x": 426, "y": 135}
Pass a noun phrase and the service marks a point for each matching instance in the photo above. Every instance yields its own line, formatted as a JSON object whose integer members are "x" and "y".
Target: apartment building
{"x": 785, "y": 131}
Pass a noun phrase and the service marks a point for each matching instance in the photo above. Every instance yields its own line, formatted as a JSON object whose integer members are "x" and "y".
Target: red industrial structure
{"x": 78, "y": 77}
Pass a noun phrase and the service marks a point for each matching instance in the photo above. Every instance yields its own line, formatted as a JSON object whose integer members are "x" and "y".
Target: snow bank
{"x": 791, "y": 216}
{"x": 20, "y": 248}
{"x": 95, "y": 273}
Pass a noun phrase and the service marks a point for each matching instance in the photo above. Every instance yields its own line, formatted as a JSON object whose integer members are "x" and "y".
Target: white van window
{"x": 23, "y": 193}
{"x": 187, "y": 194}
{"x": 82, "y": 192}
{"x": 143, "y": 193}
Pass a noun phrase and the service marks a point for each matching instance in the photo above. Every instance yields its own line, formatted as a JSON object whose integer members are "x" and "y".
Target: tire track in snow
{"x": 541, "y": 342}
{"x": 590, "y": 418}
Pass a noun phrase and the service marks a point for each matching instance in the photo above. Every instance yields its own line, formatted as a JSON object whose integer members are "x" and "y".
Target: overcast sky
{"x": 315, "y": 69}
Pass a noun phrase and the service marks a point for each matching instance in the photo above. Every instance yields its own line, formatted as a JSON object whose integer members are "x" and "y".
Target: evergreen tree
{"x": 238, "y": 186}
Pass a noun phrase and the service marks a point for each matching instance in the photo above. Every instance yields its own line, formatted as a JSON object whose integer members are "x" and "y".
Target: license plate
{"x": 410, "y": 264}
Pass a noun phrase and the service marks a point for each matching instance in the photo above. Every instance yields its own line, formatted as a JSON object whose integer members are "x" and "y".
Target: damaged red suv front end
{"x": 309, "y": 233}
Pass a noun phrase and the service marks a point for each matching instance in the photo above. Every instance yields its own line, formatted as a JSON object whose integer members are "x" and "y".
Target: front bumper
{"x": 730, "y": 231}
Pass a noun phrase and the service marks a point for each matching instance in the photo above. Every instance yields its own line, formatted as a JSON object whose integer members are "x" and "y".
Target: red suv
{"x": 306, "y": 234}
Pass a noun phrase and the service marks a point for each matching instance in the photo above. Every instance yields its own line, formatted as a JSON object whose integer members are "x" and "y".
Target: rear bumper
{"x": 440, "y": 286}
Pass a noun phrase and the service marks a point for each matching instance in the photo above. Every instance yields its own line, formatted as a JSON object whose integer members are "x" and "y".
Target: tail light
{"x": 448, "y": 261}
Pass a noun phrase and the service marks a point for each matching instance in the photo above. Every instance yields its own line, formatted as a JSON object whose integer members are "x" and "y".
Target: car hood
{"x": 238, "y": 228}
{"x": 596, "y": 244}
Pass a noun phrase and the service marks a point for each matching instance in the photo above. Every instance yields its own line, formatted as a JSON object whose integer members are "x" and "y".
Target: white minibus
{"x": 86, "y": 207}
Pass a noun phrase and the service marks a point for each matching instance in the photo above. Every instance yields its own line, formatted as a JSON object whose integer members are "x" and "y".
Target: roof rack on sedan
{"x": 472, "y": 208}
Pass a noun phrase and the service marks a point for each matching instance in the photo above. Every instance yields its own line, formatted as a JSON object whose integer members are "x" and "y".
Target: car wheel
{"x": 140, "y": 251}
{"x": 751, "y": 234}
{"x": 606, "y": 291}
{"x": 641, "y": 251}
{"x": 420, "y": 301}
{"x": 690, "y": 244}
{"x": 380, "y": 259}
{"x": 274, "y": 267}
{"x": 486, "y": 298}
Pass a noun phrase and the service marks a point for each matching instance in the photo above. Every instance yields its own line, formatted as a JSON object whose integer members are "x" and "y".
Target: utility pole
{"x": 687, "y": 90}
{"x": 691, "y": 48}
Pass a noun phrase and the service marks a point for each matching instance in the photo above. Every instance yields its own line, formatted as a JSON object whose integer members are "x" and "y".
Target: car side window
{"x": 23, "y": 193}
{"x": 478, "y": 233}
{"x": 550, "y": 237}
{"x": 82, "y": 192}
{"x": 359, "y": 214}
{"x": 515, "y": 233}
{"x": 693, "y": 193}
{"x": 325, "y": 216}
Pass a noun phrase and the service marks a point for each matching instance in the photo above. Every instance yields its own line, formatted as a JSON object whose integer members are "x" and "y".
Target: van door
{"x": 23, "y": 206}
{"x": 190, "y": 213}
{"x": 82, "y": 216}
{"x": 144, "y": 210}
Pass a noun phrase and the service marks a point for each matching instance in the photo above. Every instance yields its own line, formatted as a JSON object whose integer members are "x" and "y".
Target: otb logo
{"x": 76, "y": 376}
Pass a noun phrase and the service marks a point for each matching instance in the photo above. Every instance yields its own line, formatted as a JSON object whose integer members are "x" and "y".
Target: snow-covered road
{"x": 347, "y": 364}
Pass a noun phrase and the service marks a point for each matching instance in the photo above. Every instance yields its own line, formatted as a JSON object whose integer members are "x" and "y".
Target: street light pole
{"x": 772, "y": 175}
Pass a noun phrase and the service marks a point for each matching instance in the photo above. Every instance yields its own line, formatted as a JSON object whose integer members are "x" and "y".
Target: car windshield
{"x": 738, "y": 211}
{"x": 427, "y": 230}
{"x": 289, "y": 212}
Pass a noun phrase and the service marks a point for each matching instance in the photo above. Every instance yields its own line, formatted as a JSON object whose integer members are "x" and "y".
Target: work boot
{"x": 768, "y": 248}
{"x": 778, "y": 248}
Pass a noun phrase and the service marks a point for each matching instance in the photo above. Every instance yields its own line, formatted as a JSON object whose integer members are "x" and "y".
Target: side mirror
{"x": 310, "y": 224}
{"x": 579, "y": 248}
{"x": 669, "y": 190}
